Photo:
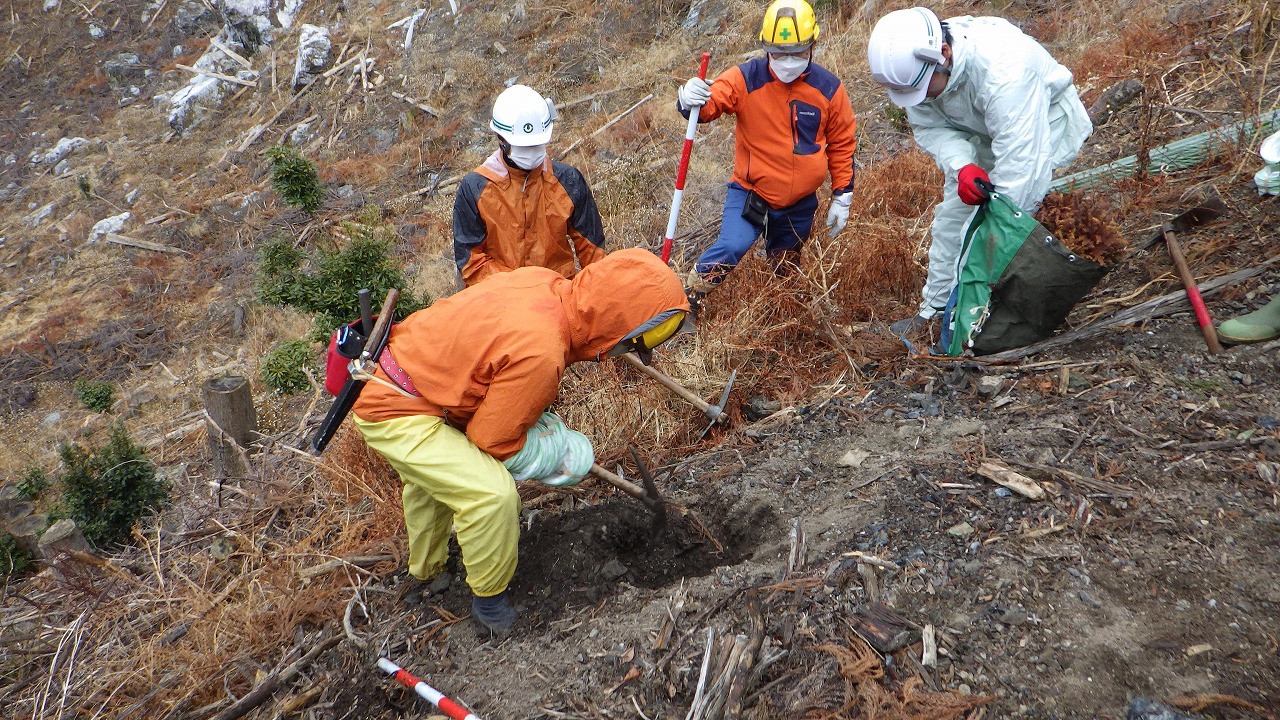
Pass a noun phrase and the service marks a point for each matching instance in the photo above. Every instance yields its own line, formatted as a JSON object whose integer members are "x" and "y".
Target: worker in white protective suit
{"x": 989, "y": 104}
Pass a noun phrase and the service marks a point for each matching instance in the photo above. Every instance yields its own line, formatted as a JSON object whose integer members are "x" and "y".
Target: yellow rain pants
{"x": 449, "y": 481}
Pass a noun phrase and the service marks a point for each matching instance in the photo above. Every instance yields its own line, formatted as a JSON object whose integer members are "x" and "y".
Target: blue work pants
{"x": 784, "y": 230}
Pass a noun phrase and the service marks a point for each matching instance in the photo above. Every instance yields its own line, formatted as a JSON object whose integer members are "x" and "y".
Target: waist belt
{"x": 401, "y": 379}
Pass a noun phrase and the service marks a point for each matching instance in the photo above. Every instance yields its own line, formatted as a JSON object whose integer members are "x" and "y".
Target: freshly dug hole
{"x": 578, "y": 558}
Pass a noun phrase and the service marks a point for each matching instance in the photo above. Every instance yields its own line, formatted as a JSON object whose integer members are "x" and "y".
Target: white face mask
{"x": 528, "y": 157}
{"x": 788, "y": 67}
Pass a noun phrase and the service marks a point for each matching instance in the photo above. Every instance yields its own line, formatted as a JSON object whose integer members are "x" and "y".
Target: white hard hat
{"x": 904, "y": 50}
{"x": 523, "y": 117}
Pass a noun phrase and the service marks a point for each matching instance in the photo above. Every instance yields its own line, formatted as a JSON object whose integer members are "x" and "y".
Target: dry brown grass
{"x": 177, "y": 623}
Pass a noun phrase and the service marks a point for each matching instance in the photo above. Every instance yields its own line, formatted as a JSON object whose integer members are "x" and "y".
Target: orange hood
{"x": 614, "y": 296}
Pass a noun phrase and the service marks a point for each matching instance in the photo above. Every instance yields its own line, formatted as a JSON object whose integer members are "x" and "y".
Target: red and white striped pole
{"x": 684, "y": 168}
{"x": 437, "y": 698}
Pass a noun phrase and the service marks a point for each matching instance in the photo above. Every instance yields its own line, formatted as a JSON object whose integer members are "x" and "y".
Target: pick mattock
{"x": 1191, "y": 218}
{"x": 714, "y": 413}
{"x": 648, "y": 494}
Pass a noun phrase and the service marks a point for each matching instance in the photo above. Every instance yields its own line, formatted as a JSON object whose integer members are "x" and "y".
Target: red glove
{"x": 969, "y": 191}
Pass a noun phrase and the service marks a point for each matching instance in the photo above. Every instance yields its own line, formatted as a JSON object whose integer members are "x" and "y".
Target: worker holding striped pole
{"x": 683, "y": 171}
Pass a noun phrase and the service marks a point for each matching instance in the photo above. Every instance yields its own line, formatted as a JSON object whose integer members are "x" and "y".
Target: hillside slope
{"x": 1146, "y": 571}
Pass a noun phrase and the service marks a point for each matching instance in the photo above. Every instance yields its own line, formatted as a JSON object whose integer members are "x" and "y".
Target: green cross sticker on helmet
{"x": 522, "y": 117}
{"x": 789, "y": 27}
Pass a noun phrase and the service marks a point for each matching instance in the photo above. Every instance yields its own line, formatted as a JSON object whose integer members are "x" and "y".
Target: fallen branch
{"x": 1100, "y": 486}
{"x": 257, "y": 130}
{"x": 1005, "y": 477}
{"x": 259, "y": 694}
{"x": 231, "y": 53}
{"x": 606, "y": 126}
{"x": 324, "y": 568}
{"x": 416, "y": 103}
{"x": 872, "y": 560}
{"x": 218, "y": 75}
{"x": 143, "y": 244}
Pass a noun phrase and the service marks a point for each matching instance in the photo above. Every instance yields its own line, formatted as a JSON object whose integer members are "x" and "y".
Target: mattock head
{"x": 652, "y": 500}
{"x": 715, "y": 411}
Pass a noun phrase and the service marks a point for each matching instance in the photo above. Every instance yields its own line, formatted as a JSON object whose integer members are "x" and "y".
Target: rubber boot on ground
{"x": 1260, "y": 325}
{"x": 493, "y": 615}
{"x": 696, "y": 289}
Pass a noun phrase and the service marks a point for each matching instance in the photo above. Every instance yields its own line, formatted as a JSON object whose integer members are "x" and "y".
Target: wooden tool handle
{"x": 381, "y": 327}
{"x": 672, "y": 385}
{"x": 1193, "y": 291}
{"x": 625, "y": 486}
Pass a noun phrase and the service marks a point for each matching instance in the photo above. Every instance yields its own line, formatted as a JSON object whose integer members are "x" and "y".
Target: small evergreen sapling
{"x": 109, "y": 489}
{"x": 294, "y": 177}
{"x": 97, "y": 396}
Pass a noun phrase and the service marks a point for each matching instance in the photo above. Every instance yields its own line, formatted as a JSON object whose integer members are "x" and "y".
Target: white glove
{"x": 575, "y": 463}
{"x": 552, "y": 454}
{"x": 694, "y": 93}
{"x": 543, "y": 448}
{"x": 838, "y": 215}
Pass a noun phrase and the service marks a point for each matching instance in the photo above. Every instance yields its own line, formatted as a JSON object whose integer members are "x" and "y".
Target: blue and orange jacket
{"x": 788, "y": 136}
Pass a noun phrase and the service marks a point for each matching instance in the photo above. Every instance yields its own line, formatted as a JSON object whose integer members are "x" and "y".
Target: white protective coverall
{"x": 1008, "y": 107}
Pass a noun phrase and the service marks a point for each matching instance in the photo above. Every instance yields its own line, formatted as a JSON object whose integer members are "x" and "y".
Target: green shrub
{"x": 31, "y": 482}
{"x": 109, "y": 489}
{"x": 282, "y": 370}
{"x": 13, "y": 559}
{"x": 326, "y": 284}
{"x": 294, "y": 178}
{"x": 97, "y": 396}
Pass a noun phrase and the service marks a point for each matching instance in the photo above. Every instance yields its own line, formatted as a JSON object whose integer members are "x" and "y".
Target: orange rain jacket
{"x": 489, "y": 359}
{"x": 788, "y": 136}
{"x": 505, "y": 218}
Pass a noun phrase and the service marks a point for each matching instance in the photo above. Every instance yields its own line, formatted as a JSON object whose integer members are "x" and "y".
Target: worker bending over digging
{"x": 981, "y": 98}
{"x": 481, "y": 367}
{"x": 521, "y": 208}
{"x": 794, "y": 126}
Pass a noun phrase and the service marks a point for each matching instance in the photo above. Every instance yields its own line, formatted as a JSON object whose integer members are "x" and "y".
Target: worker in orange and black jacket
{"x": 520, "y": 208}
{"x": 795, "y": 125}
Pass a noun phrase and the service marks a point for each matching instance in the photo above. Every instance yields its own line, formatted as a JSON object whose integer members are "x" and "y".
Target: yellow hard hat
{"x": 789, "y": 27}
{"x": 655, "y": 331}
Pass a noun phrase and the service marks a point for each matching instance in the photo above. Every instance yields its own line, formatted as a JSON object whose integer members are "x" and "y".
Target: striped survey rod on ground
{"x": 437, "y": 698}
{"x": 684, "y": 168}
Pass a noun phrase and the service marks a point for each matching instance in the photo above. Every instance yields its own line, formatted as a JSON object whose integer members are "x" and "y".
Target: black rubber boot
{"x": 494, "y": 615}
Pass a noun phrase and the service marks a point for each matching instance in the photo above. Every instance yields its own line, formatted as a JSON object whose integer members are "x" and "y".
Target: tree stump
{"x": 233, "y": 424}
{"x": 63, "y": 536}
{"x": 26, "y": 531}
{"x": 9, "y": 493}
{"x": 10, "y": 512}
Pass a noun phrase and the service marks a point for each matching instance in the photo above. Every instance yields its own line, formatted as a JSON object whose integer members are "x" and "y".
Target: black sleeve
{"x": 468, "y": 227}
{"x": 586, "y": 216}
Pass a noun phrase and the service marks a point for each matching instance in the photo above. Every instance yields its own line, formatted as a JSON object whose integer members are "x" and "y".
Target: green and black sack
{"x": 1016, "y": 282}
